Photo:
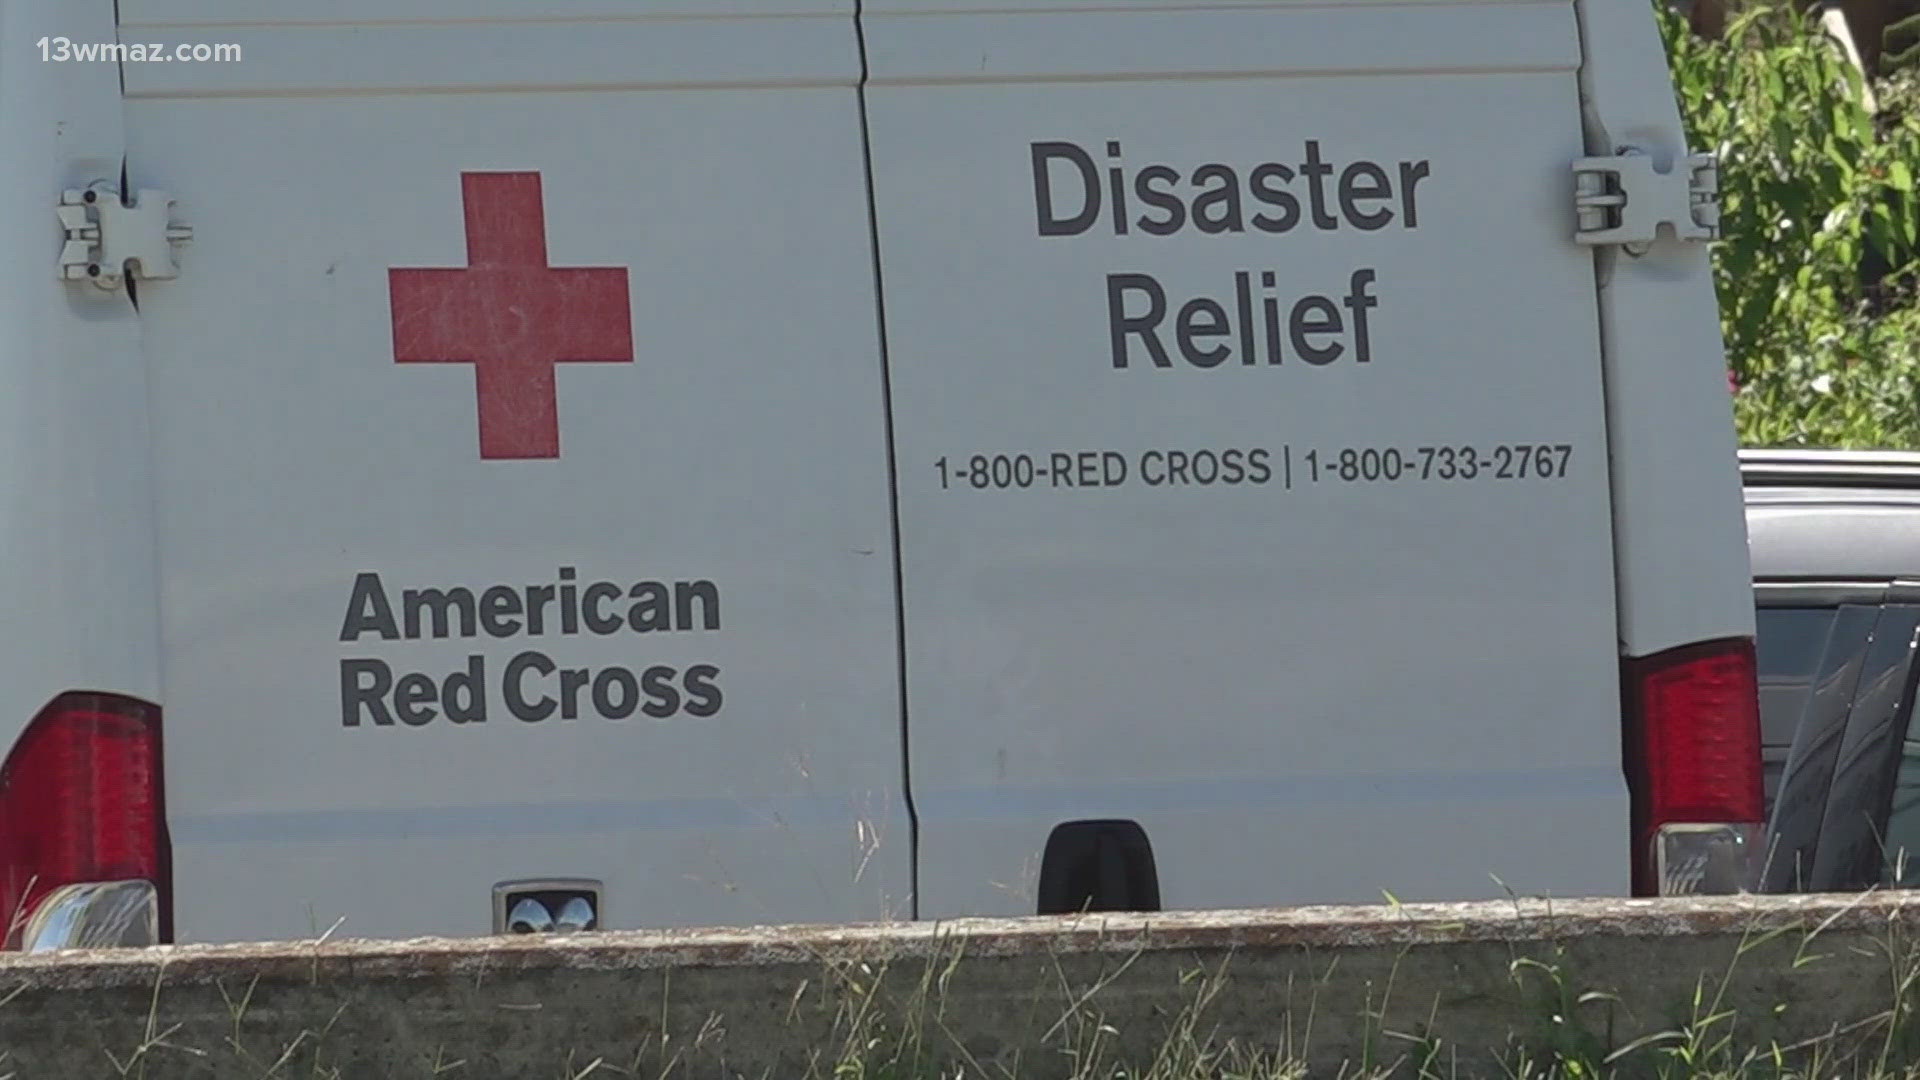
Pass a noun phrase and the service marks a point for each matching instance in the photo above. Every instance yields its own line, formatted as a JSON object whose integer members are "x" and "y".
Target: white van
{"x": 550, "y": 464}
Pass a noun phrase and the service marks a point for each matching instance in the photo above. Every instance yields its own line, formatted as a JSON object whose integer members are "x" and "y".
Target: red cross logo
{"x": 511, "y": 315}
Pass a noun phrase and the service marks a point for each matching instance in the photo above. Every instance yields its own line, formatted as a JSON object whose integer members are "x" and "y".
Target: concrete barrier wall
{"x": 1464, "y": 989}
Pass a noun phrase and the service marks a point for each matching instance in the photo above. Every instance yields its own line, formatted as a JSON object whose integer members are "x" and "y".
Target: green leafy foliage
{"x": 1820, "y": 195}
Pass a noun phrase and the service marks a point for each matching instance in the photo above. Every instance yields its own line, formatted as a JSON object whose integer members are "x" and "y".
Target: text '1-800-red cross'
{"x": 511, "y": 315}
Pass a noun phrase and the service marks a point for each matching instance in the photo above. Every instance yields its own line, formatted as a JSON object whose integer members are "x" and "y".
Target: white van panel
{"x": 948, "y": 42}
{"x": 76, "y": 494}
{"x": 337, "y": 57}
{"x": 1681, "y": 547}
{"x": 742, "y": 445}
{"x": 1302, "y": 690}
{"x": 234, "y": 13}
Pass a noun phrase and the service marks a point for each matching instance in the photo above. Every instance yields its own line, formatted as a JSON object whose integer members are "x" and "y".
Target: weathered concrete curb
{"x": 1335, "y": 986}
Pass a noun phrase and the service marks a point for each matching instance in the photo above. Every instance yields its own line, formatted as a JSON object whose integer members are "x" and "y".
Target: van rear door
{"x": 522, "y": 473}
{"x": 1252, "y": 456}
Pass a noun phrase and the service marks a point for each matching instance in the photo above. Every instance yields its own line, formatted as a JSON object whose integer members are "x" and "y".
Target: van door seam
{"x": 893, "y": 469}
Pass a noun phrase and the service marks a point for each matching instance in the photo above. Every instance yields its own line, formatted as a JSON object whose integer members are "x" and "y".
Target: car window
{"x": 1853, "y": 850}
{"x": 1903, "y": 823}
{"x": 1811, "y": 662}
{"x": 1787, "y": 653}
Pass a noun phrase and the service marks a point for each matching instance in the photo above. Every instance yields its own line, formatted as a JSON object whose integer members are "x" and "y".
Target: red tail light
{"x": 80, "y": 801}
{"x": 1692, "y": 745}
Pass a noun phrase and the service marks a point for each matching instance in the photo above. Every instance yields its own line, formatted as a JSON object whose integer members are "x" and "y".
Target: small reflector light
{"x": 1705, "y": 860}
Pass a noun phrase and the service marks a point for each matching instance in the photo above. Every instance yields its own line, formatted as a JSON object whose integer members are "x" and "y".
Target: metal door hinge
{"x": 108, "y": 240}
{"x": 1622, "y": 200}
